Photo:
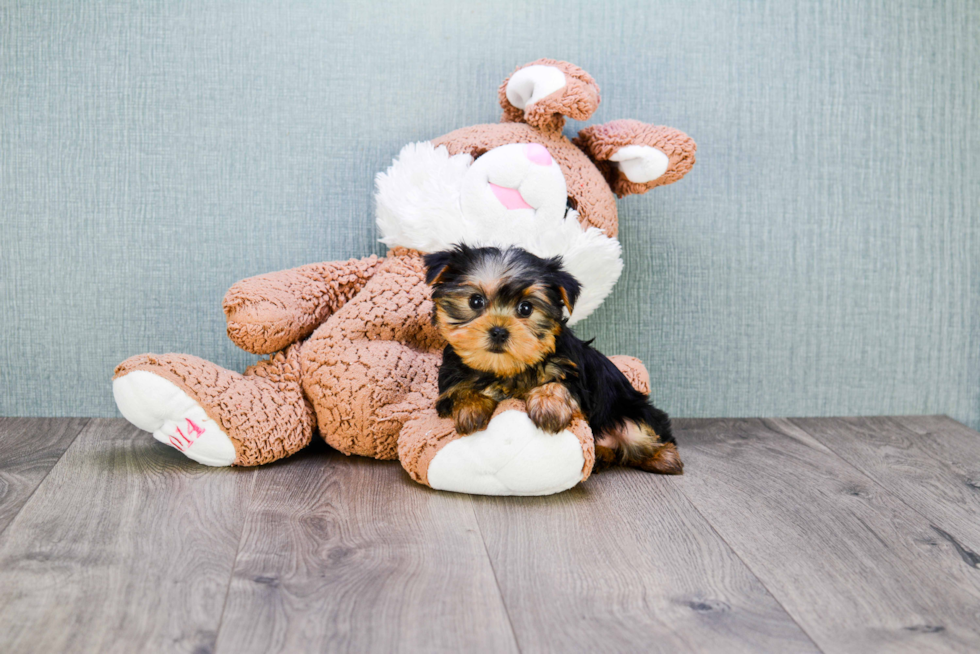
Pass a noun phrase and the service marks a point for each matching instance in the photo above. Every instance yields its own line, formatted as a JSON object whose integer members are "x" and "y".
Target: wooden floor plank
{"x": 857, "y": 568}
{"x": 125, "y": 546}
{"x": 29, "y": 448}
{"x": 346, "y": 554}
{"x": 932, "y": 463}
{"x": 861, "y": 534}
{"x": 625, "y": 564}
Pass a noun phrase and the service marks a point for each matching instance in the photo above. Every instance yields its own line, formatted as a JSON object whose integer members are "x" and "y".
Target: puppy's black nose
{"x": 498, "y": 335}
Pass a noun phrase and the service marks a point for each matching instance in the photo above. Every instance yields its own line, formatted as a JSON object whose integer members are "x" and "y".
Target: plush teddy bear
{"x": 353, "y": 352}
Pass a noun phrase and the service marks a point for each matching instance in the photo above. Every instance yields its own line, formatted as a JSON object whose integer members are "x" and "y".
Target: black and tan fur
{"x": 503, "y": 314}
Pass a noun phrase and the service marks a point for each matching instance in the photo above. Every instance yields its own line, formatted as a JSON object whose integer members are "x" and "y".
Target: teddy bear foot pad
{"x": 158, "y": 406}
{"x": 510, "y": 457}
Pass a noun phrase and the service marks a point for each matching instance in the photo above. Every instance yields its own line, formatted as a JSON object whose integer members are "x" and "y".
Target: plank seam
{"x": 749, "y": 568}
{"x": 500, "y": 593}
{"x": 885, "y": 488}
{"x": 41, "y": 481}
{"x": 234, "y": 561}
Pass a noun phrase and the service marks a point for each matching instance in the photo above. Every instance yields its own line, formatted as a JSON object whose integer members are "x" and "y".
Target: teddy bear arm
{"x": 267, "y": 313}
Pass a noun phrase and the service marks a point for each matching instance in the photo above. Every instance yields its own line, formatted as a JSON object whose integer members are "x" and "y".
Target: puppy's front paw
{"x": 472, "y": 412}
{"x": 551, "y": 407}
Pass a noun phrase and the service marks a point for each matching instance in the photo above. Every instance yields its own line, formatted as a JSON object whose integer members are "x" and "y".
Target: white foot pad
{"x": 156, "y": 405}
{"x": 510, "y": 457}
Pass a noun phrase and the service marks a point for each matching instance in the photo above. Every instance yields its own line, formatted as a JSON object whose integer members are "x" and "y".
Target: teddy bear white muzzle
{"x": 519, "y": 177}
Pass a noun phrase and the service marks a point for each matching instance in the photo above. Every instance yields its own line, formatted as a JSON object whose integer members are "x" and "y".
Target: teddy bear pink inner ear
{"x": 641, "y": 163}
{"x": 533, "y": 83}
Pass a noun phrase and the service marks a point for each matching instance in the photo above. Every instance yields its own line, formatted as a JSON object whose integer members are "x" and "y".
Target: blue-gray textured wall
{"x": 821, "y": 258}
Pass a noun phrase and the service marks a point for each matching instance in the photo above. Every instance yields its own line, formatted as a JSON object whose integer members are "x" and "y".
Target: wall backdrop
{"x": 822, "y": 258}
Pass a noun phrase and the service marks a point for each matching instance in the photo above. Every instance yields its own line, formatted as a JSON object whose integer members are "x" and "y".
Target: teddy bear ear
{"x": 636, "y": 157}
{"x": 542, "y": 92}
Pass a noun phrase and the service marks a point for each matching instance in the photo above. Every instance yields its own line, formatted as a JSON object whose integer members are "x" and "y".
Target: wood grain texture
{"x": 851, "y": 535}
{"x": 857, "y": 568}
{"x": 625, "y": 563}
{"x": 126, "y": 546}
{"x": 29, "y": 448}
{"x": 932, "y": 463}
{"x": 348, "y": 555}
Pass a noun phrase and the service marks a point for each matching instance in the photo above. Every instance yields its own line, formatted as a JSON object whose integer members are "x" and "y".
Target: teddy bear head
{"x": 521, "y": 182}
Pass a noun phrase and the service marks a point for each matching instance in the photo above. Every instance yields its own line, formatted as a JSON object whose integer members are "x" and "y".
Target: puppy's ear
{"x": 566, "y": 285}
{"x": 436, "y": 265}
{"x": 569, "y": 288}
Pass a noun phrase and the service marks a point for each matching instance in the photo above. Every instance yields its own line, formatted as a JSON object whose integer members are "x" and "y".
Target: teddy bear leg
{"x": 364, "y": 391}
{"x": 634, "y": 370}
{"x": 215, "y": 416}
{"x": 510, "y": 457}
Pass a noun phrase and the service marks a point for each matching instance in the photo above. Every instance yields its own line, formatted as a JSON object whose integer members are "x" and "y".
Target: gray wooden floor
{"x": 840, "y": 535}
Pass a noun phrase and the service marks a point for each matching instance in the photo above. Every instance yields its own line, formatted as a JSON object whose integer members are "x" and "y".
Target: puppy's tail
{"x": 644, "y": 442}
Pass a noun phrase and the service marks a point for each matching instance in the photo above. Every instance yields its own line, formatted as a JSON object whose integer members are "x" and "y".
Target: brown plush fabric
{"x": 592, "y": 196}
{"x": 375, "y": 363}
{"x": 263, "y": 411}
{"x": 269, "y": 312}
{"x": 421, "y": 439}
{"x": 602, "y": 141}
{"x": 577, "y": 100}
{"x": 581, "y": 429}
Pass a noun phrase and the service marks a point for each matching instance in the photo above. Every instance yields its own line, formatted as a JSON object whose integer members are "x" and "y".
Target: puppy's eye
{"x": 525, "y": 309}
{"x": 477, "y": 302}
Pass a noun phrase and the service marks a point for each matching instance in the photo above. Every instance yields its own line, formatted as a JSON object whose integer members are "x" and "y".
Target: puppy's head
{"x": 500, "y": 310}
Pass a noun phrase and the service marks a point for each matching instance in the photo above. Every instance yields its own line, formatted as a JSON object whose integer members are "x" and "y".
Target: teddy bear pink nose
{"x": 538, "y": 154}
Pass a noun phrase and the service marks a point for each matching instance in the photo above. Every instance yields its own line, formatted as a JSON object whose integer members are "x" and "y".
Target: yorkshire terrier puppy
{"x": 502, "y": 313}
